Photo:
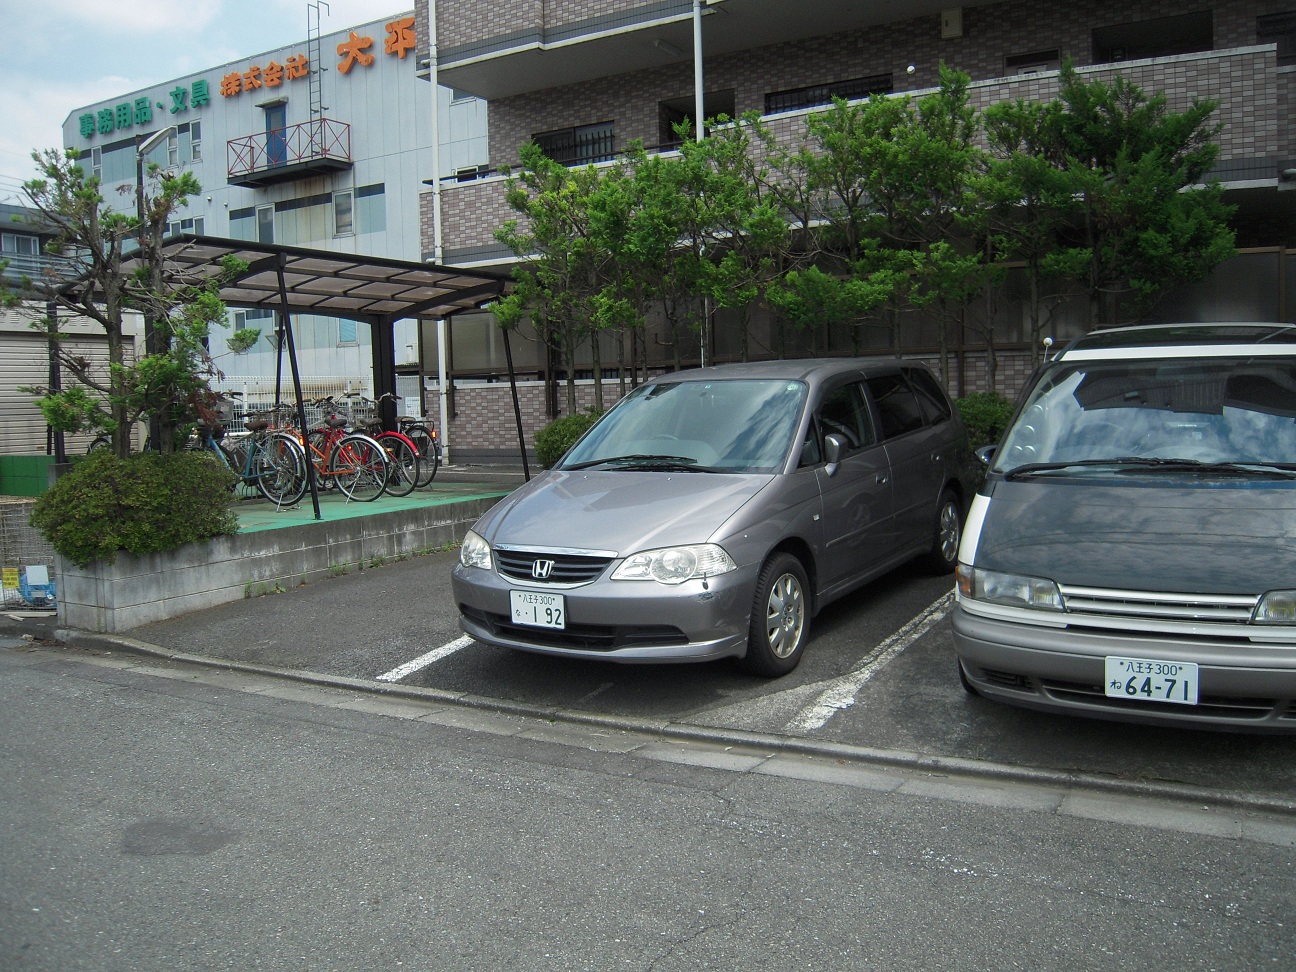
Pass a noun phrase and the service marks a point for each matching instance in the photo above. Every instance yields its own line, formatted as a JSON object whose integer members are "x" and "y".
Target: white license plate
{"x": 1151, "y": 680}
{"x": 538, "y": 610}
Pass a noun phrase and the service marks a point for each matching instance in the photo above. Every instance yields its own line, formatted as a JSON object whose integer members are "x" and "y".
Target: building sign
{"x": 400, "y": 40}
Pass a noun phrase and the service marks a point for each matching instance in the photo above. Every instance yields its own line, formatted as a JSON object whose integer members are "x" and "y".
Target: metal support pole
{"x": 517, "y": 408}
{"x": 297, "y": 388}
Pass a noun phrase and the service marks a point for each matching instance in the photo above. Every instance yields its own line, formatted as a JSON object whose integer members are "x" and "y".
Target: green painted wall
{"x": 24, "y": 475}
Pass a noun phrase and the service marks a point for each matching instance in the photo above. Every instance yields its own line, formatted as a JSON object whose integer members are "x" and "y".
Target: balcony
{"x": 310, "y": 148}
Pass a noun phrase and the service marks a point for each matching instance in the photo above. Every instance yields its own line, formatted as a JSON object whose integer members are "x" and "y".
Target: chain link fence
{"x": 26, "y": 559}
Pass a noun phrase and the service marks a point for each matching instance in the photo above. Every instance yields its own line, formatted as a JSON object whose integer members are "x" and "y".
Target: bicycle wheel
{"x": 403, "y": 471}
{"x": 358, "y": 465}
{"x": 429, "y": 450}
{"x": 280, "y": 469}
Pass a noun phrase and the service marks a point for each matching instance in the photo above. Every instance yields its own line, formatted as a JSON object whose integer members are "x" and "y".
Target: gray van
{"x": 1131, "y": 554}
{"x": 711, "y": 513}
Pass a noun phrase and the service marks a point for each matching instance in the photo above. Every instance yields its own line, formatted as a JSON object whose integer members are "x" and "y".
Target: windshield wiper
{"x": 1281, "y": 470}
{"x": 646, "y": 461}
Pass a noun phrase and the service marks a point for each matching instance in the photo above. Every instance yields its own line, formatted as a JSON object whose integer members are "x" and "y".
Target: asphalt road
{"x": 164, "y": 816}
{"x": 879, "y": 674}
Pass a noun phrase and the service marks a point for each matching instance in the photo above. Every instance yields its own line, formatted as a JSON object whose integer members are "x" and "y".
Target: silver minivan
{"x": 712, "y": 512}
{"x": 1131, "y": 554}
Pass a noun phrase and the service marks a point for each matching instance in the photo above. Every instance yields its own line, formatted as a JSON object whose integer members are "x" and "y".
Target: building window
{"x": 1279, "y": 29}
{"x": 243, "y": 224}
{"x": 1163, "y": 37}
{"x": 579, "y": 146}
{"x": 346, "y": 332}
{"x": 371, "y": 209}
{"x": 815, "y": 95}
{"x": 1034, "y": 63}
{"x": 96, "y": 162}
{"x": 185, "y": 145}
{"x": 265, "y": 224}
{"x": 197, "y": 225}
{"x": 260, "y": 319}
{"x": 458, "y": 96}
{"x": 343, "y": 213}
{"x": 19, "y": 244}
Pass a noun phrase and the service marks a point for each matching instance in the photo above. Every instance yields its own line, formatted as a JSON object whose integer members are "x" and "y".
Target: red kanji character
{"x": 252, "y": 78}
{"x": 273, "y": 74}
{"x": 354, "y": 50}
{"x": 231, "y": 84}
{"x": 298, "y": 66}
{"x": 400, "y": 37}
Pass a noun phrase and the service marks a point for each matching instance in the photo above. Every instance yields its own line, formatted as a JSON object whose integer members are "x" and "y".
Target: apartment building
{"x": 583, "y": 78}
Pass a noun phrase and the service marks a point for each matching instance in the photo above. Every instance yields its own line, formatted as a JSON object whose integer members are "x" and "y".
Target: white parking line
{"x": 840, "y": 692}
{"x": 422, "y": 661}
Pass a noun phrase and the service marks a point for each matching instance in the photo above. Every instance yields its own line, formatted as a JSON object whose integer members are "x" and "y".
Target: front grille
{"x": 1196, "y": 608}
{"x": 565, "y": 568}
{"x": 578, "y": 637}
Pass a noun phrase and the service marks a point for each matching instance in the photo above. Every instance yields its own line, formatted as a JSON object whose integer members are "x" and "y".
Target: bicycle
{"x": 425, "y": 443}
{"x": 354, "y": 462}
{"x": 407, "y": 460}
{"x": 270, "y": 460}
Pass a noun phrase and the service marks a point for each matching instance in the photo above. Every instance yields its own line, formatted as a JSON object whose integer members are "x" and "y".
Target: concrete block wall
{"x": 139, "y": 590}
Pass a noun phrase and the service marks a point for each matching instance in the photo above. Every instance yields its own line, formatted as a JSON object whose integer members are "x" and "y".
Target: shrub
{"x": 148, "y": 503}
{"x": 558, "y": 436}
{"x": 986, "y": 416}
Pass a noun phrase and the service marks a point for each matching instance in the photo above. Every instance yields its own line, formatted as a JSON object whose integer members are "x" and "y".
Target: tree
{"x": 567, "y": 280}
{"x": 1145, "y": 219}
{"x": 90, "y": 282}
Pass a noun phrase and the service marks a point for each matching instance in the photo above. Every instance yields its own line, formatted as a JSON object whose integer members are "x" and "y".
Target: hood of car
{"x": 623, "y": 511}
{"x": 1225, "y": 537}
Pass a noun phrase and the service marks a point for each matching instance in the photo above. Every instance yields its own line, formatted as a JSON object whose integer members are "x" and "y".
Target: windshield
{"x": 739, "y": 425}
{"x": 1198, "y": 410}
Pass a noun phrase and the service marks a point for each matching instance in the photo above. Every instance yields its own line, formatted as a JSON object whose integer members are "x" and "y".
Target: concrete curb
{"x": 968, "y": 769}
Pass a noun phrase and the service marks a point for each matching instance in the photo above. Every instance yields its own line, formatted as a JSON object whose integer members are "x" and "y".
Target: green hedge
{"x": 145, "y": 504}
{"x": 558, "y": 436}
{"x": 986, "y": 416}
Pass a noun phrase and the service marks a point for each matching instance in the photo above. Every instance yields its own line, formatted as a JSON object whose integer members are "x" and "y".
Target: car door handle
{"x": 936, "y": 457}
{"x": 880, "y": 479}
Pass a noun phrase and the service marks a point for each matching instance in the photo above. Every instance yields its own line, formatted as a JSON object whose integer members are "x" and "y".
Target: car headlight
{"x": 675, "y": 565}
{"x": 1276, "y": 607}
{"x": 1015, "y": 590}
{"x": 475, "y": 552}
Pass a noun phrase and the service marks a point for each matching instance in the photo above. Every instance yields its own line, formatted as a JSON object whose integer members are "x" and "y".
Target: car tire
{"x": 780, "y": 618}
{"x": 947, "y": 532}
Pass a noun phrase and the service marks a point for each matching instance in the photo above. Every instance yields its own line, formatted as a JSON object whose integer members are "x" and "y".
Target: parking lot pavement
{"x": 878, "y": 683}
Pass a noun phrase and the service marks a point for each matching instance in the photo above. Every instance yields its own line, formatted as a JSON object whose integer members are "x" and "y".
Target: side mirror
{"x": 834, "y": 446}
{"x": 986, "y": 453}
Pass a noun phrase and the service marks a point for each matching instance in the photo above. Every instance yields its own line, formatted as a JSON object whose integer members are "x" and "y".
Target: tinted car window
{"x": 897, "y": 406}
{"x": 844, "y": 412}
{"x": 935, "y": 406}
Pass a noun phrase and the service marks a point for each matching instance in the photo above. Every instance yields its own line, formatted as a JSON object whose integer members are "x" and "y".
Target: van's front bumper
{"x": 1243, "y": 685}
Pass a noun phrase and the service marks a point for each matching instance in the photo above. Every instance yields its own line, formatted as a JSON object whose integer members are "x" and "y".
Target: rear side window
{"x": 935, "y": 405}
{"x": 898, "y": 407}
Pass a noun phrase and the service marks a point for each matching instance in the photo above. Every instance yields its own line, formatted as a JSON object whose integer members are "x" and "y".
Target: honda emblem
{"x": 541, "y": 569}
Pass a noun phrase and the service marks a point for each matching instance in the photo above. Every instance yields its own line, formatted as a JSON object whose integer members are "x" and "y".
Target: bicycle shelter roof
{"x": 326, "y": 282}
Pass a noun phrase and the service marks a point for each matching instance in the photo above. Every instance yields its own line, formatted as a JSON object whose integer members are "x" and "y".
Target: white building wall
{"x": 389, "y": 111}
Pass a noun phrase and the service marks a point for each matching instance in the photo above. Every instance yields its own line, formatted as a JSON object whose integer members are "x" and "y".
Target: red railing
{"x": 316, "y": 140}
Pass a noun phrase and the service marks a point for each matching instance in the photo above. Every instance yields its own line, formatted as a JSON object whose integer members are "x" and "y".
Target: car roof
{"x": 792, "y": 369}
{"x": 1160, "y": 339}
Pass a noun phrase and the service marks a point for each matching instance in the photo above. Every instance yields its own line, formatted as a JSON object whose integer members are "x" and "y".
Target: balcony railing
{"x": 294, "y": 152}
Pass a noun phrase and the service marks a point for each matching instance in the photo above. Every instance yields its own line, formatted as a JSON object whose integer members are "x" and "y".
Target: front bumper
{"x": 623, "y": 621}
{"x": 1243, "y": 685}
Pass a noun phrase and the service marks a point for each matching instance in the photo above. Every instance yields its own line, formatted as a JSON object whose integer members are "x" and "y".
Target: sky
{"x": 64, "y": 54}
